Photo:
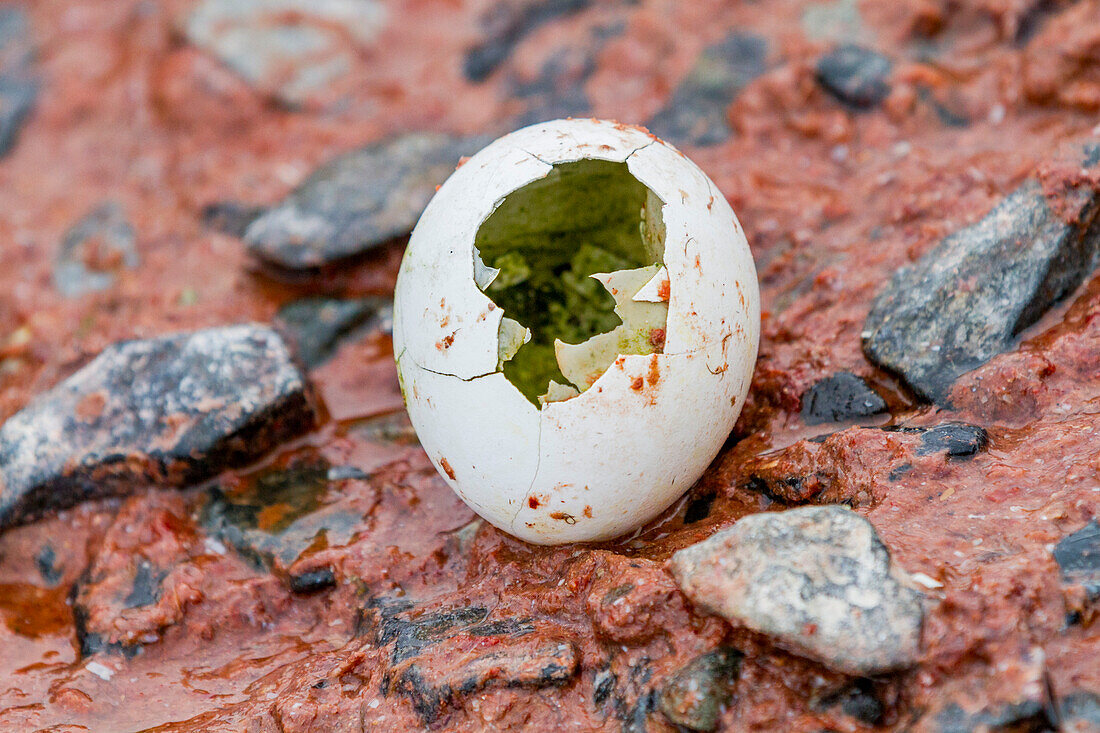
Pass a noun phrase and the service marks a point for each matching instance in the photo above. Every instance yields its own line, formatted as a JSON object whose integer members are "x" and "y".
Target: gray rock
{"x": 695, "y": 695}
{"x": 506, "y": 24}
{"x": 1079, "y": 712}
{"x": 317, "y": 326}
{"x": 818, "y": 580}
{"x": 841, "y": 396}
{"x": 1078, "y": 556}
{"x": 859, "y": 700}
{"x": 357, "y": 202}
{"x": 231, "y": 217}
{"x": 1014, "y": 697}
{"x": 968, "y": 299}
{"x": 696, "y": 112}
{"x": 292, "y": 50}
{"x": 856, "y": 76}
{"x": 94, "y": 250}
{"x": 18, "y": 89}
{"x": 169, "y": 411}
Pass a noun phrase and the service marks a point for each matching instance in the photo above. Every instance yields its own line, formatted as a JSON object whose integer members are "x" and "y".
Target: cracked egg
{"x": 576, "y": 320}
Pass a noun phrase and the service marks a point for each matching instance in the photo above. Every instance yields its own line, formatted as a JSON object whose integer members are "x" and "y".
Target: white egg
{"x": 547, "y": 416}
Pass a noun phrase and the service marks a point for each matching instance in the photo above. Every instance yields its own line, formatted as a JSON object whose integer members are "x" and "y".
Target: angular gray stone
{"x": 290, "y": 49}
{"x": 818, "y": 580}
{"x": 1078, "y": 556}
{"x": 696, "y": 112}
{"x": 93, "y": 250}
{"x": 18, "y": 89}
{"x": 856, "y": 76}
{"x": 166, "y": 411}
{"x": 693, "y": 697}
{"x": 357, "y": 202}
{"x": 318, "y": 326}
{"x": 968, "y": 299}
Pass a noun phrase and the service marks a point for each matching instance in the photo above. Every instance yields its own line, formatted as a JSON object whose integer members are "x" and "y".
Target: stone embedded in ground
{"x": 18, "y": 89}
{"x": 357, "y": 202}
{"x": 696, "y": 112}
{"x": 276, "y": 516}
{"x": 1013, "y": 696}
{"x": 316, "y": 327}
{"x": 817, "y": 580}
{"x": 968, "y": 299}
{"x": 1079, "y": 712}
{"x": 838, "y": 21}
{"x": 695, "y": 695}
{"x": 437, "y": 659}
{"x": 858, "y": 700}
{"x": 94, "y": 251}
{"x": 231, "y": 217}
{"x": 140, "y": 578}
{"x": 832, "y": 468}
{"x": 167, "y": 411}
{"x": 842, "y": 396}
{"x": 294, "y": 51}
{"x": 506, "y": 24}
{"x": 856, "y": 76}
{"x": 1078, "y": 556}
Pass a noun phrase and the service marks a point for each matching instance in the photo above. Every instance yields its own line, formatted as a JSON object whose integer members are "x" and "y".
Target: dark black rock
{"x": 698, "y": 508}
{"x": 169, "y": 411}
{"x": 506, "y": 24}
{"x": 356, "y": 202}
{"x": 316, "y": 327}
{"x": 230, "y": 217}
{"x": 842, "y": 396}
{"x": 857, "y": 76}
{"x": 1078, "y": 555}
{"x": 859, "y": 700}
{"x": 603, "y": 684}
{"x": 94, "y": 250}
{"x": 818, "y": 580}
{"x": 967, "y": 300}
{"x": 1079, "y": 712}
{"x": 18, "y": 89}
{"x": 297, "y": 497}
{"x": 313, "y": 581}
{"x": 955, "y": 439}
{"x": 695, "y": 695}
{"x": 696, "y": 112}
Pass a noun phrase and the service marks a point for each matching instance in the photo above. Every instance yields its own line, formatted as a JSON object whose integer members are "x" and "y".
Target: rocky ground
{"x": 215, "y": 515}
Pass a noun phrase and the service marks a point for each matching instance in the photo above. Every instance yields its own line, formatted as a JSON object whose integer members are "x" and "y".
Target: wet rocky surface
{"x": 94, "y": 251}
{"x": 695, "y": 114}
{"x": 168, "y": 411}
{"x": 857, "y": 76}
{"x": 1078, "y": 558}
{"x": 969, "y": 298}
{"x": 357, "y": 202}
{"x": 837, "y": 467}
{"x": 114, "y": 610}
{"x": 439, "y": 658}
{"x": 18, "y": 86}
{"x": 816, "y": 579}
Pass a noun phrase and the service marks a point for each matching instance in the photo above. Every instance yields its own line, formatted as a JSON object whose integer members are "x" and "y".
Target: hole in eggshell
{"x": 575, "y": 261}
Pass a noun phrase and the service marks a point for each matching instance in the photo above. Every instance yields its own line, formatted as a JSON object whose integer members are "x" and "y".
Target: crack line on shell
{"x": 534, "y": 476}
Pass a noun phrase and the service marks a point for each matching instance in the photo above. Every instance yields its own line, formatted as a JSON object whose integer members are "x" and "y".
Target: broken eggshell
{"x": 601, "y": 463}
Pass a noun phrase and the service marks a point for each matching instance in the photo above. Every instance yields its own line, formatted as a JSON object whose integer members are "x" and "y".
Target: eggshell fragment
{"x": 593, "y": 465}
